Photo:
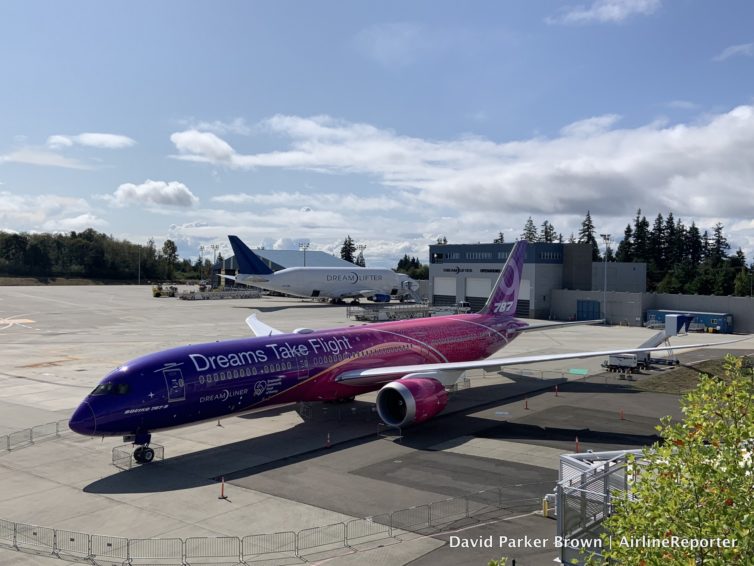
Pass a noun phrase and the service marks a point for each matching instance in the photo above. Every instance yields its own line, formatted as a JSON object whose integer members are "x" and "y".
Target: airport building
{"x": 561, "y": 282}
{"x": 465, "y": 273}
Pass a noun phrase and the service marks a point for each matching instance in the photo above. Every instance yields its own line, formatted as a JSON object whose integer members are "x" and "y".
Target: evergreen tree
{"x": 412, "y": 267}
{"x": 530, "y": 231}
{"x": 170, "y": 257}
{"x": 641, "y": 237}
{"x": 586, "y": 236}
{"x": 360, "y": 259}
{"x": 347, "y": 250}
{"x": 705, "y": 246}
{"x": 500, "y": 239}
{"x": 547, "y": 233}
{"x": 742, "y": 284}
{"x": 719, "y": 247}
{"x": 626, "y": 247}
{"x": 694, "y": 247}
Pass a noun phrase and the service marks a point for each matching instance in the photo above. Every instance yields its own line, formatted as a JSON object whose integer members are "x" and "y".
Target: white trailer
{"x": 623, "y": 363}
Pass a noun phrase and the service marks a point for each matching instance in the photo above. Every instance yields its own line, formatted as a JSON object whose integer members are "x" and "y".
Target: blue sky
{"x": 393, "y": 122}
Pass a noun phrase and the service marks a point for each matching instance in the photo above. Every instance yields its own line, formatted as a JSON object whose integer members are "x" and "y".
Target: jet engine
{"x": 411, "y": 400}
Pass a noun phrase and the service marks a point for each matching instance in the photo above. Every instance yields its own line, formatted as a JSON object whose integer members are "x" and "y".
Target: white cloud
{"x": 309, "y": 202}
{"x": 744, "y": 49}
{"x": 697, "y": 170}
{"x": 46, "y": 212}
{"x": 76, "y": 223}
{"x": 590, "y": 126}
{"x": 160, "y": 193}
{"x": 29, "y": 156}
{"x": 683, "y": 105}
{"x": 99, "y": 140}
{"x": 194, "y": 145}
{"x": 605, "y": 11}
{"x": 235, "y": 126}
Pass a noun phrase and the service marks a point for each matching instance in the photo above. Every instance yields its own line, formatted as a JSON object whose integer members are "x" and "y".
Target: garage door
{"x": 444, "y": 286}
{"x": 478, "y": 287}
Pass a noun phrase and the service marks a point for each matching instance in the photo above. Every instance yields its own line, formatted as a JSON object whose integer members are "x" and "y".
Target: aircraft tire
{"x": 143, "y": 455}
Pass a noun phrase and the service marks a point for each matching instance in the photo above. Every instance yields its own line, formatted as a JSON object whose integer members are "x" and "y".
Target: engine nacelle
{"x": 412, "y": 400}
{"x": 380, "y": 298}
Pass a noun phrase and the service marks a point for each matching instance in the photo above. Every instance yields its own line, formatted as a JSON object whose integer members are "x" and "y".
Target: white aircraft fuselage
{"x": 332, "y": 282}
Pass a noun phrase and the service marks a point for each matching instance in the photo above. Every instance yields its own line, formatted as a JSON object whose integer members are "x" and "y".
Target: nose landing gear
{"x": 143, "y": 454}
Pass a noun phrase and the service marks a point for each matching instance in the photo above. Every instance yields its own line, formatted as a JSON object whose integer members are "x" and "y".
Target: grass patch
{"x": 681, "y": 379}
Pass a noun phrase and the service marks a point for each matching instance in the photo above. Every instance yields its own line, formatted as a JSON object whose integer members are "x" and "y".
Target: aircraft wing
{"x": 259, "y": 328}
{"x": 444, "y": 370}
{"x": 559, "y": 325}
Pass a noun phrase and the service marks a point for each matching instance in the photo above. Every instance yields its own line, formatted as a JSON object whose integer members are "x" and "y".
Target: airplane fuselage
{"x": 212, "y": 380}
{"x": 333, "y": 282}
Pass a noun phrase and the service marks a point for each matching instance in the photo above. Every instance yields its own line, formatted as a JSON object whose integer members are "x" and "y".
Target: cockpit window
{"x": 103, "y": 389}
{"x": 110, "y": 388}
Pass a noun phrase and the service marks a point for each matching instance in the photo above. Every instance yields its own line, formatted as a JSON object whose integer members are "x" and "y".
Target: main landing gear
{"x": 143, "y": 454}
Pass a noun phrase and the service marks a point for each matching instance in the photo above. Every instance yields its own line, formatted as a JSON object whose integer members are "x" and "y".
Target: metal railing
{"x": 29, "y": 436}
{"x": 584, "y": 498}
{"x": 105, "y": 550}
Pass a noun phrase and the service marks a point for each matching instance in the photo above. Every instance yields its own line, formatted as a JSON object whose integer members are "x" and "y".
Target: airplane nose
{"x": 82, "y": 420}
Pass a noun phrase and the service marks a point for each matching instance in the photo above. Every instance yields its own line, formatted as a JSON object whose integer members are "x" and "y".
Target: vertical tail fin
{"x": 248, "y": 262}
{"x": 503, "y": 298}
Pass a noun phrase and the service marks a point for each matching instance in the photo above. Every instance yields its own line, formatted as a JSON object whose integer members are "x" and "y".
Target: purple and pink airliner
{"x": 410, "y": 362}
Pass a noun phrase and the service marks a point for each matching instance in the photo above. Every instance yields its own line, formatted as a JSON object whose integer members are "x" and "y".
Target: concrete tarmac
{"x": 58, "y": 342}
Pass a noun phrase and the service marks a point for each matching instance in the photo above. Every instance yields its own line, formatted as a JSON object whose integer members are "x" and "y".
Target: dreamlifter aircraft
{"x": 336, "y": 283}
{"x": 411, "y": 362}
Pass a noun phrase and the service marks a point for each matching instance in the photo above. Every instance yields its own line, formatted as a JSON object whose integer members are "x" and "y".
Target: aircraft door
{"x": 175, "y": 385}
{"x": 303, "y": 369}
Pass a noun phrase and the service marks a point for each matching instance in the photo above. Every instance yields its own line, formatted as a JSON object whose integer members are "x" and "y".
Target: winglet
{"x": 248, "y": 262}
{"x": 259, "y": 328}
{"x": 503, "y": 298}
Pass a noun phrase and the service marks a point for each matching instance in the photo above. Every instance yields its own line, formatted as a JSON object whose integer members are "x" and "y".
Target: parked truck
{"x": 623, "y": 363}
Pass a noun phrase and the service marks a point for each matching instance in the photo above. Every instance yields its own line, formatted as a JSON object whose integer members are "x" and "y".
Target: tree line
{"x": 94, "y": 255}
{"x": 679, "y": 258}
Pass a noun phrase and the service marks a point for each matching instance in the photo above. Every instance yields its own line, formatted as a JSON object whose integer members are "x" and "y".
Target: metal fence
{"x": 30, "y": 436}
{"x": 585, "y": 493}
{"x": 105, "y": 550}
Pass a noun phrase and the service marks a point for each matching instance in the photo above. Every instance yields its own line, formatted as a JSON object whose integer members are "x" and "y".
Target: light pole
{"x": 214, "y": 248}
{"x": 201, "y": 262}
{"x": 302, "y": 247}
{"x": 606, "y": 239}
{"x": 139, "y": 276}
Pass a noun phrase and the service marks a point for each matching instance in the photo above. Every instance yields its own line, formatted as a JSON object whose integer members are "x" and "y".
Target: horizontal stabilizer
{"x": 559, "y": 325}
